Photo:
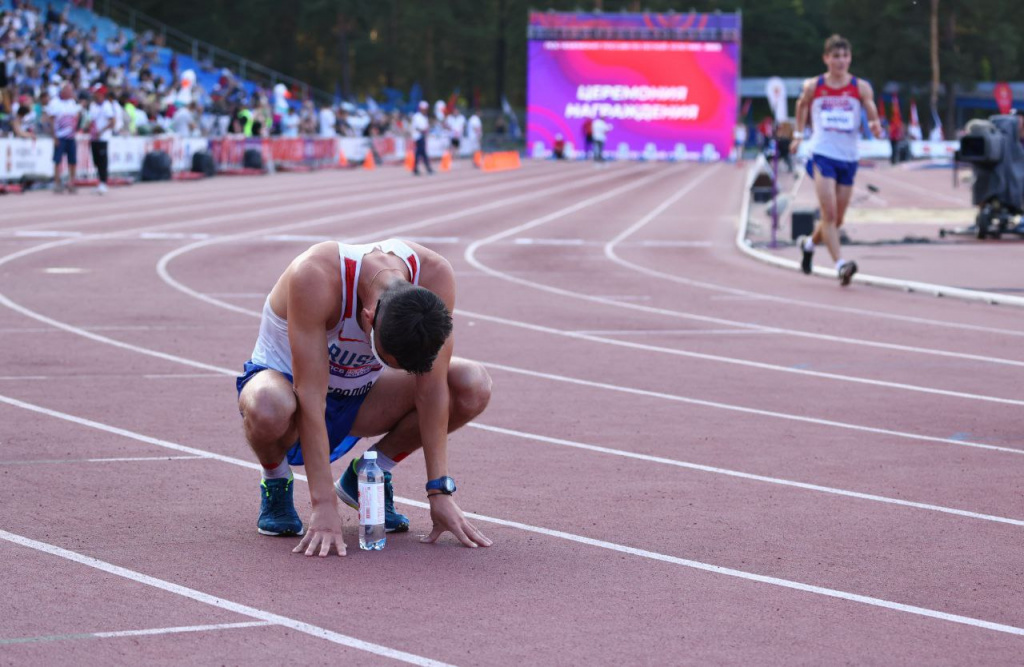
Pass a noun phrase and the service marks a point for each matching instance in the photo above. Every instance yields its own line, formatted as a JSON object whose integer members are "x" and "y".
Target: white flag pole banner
{"x": 775, "y": 91}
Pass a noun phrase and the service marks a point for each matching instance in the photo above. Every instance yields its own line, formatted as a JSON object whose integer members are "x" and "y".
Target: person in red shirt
{"x": 558, "y": 148}
{"x": 588, "y": 136}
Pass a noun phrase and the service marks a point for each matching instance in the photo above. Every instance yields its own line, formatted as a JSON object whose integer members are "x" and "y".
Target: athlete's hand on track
{"x": 794, "y": 144}
{"x": 324, "y": 530}
{"x": 447, "y": 516}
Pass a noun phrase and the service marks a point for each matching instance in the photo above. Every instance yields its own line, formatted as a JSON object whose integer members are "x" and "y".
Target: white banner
{"x": 21, "y": 157}
{"x": 34, "y": 157}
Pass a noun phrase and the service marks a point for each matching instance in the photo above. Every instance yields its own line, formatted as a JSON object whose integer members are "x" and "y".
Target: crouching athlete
{"x": 356, "y": 341}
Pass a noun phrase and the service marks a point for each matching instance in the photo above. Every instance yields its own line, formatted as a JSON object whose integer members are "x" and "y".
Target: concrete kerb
{"x": 744, "y": 244}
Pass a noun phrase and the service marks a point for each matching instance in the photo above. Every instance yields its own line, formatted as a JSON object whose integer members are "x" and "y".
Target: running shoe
{"x": 277, "y": 509}
{"x": 808, "y": 255}
{"x": 846, "y": 273}
{"x": 347, "y": 488}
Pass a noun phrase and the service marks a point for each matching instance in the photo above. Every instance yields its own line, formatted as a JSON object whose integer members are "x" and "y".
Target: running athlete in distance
{"x": 355, "y": 340}
{"x": 834, "y": 101}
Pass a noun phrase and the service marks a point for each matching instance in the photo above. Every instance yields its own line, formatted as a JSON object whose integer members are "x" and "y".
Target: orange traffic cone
{"x": 410, "y": 160}
{"x": 446, "y": 161}
{"x": 368, "y": 162}
{"x": 342, "y": 160}
{"x": 478, "y": 160}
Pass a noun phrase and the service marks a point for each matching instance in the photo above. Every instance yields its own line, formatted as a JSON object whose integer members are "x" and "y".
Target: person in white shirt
{"x": 475, "y": 131}
{"x": 420, "y": 127}
{"x": 102, "y": 119}
{"x": 184, "y": 121}
{"x": 456, "y": 123}
{"x": 599, "y": 131}
{"x": 328, "y": 123}
{"x": 290, "y": 123}
{"x": 64, "y": 114}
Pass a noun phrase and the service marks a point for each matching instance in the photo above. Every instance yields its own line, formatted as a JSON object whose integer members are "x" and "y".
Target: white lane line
{"x": 642, "y": 553}
{"x": 136, "y": 633}
{"x": 45, "y": 234}
{"x": 64, "y": 270}
{"x": 218, "y": 602}
{"x": 470, "y": 256}
{"x": 674, "y": 244}
{"x": 626, "y": 297}
{"x": 587, "y": 243}
{"x": 744, "y": 362}
{"x": 455, "y": 191}
{"x": 168, "y": 327}
{"x": 671, "y": 332}
{"x": 5, "y": 301}
{"x": 165, "y": 274}
{"x": 122, "y": 459}
{"x": 742, "y": 293}
{"x": 552, "y": 242}
{"x": 747, "y": 576}
{"x": 610, "y": 254}
{"x": 186, "y": 628}
{"x": 322, "y": 193}
{"x": 167, "y": 199}
{"x": 179, "y": 376}
{"x": 745, "y": 410}
{"x": 19, "y": 378}
{"x": 306, "y": 238}
{"x": 641, "y": 392}
{"x": 744, "y": 475}
{"x": 744, "y": 245}
{"x": 101, "y": 339}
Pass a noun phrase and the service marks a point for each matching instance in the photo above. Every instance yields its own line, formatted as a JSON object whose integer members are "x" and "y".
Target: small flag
{"x": 513, "y": 122}
{"x": 914, "y": 131}
{"x": 936, "y": 133}
{"x": 896, "y": 121}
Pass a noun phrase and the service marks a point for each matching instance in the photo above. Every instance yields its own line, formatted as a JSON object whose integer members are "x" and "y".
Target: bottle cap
{"x": 370, "y": 456}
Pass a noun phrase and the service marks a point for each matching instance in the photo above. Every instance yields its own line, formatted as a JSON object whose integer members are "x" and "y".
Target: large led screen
{"x": 664, "y": 100}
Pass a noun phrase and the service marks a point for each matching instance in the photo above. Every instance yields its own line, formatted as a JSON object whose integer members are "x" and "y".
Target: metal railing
{"x": 204, "y": 52}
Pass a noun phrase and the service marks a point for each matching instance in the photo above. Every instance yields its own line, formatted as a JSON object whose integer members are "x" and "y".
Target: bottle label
{"x": 371, "y": 504}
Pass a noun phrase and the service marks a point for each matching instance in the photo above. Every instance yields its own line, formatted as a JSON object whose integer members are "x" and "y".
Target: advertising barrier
{"x": 33, "y": 158}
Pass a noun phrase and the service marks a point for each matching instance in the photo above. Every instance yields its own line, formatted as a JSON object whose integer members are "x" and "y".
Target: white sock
{"x": 383, "y": 460}
{"x": 281, "y": 471}
{"x": 809, "y": 245}
{"x": 840, "y": 263}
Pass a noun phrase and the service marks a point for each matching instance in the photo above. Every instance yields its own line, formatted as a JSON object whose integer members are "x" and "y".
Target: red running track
{"x": 689, "y": 457}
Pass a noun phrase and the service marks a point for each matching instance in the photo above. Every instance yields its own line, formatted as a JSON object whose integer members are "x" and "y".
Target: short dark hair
{"x": 414, "y": 325}
{"x": 836, "y": 43}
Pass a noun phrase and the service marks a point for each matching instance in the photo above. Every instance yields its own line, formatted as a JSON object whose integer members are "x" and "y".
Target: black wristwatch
{"x": 445, "y": 485}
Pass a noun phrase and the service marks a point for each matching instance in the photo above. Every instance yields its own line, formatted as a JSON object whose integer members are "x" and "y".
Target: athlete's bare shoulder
{"x": 807, "y": 89}
{"x": 864, "y": 88}
{"x": 314, "y": 273}
{"x": 436, "y": 274}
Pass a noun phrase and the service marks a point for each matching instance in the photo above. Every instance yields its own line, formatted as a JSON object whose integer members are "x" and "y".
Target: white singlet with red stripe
{"x": 835, "y": 121}
{"x": 354, "y": 369}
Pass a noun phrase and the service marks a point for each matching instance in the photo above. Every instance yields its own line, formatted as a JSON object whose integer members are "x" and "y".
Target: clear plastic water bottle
{"x": 371, "y": 503}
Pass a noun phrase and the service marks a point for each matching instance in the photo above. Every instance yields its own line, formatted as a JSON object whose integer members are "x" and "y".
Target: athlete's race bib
{"x": 842, "y": 120}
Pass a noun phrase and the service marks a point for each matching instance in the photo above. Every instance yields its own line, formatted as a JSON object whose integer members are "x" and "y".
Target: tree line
{"x": 478, "y": 47}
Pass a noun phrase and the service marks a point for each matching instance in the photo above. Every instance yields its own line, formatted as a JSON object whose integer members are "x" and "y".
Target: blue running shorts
{"x": 339, "y": 416}
{"x": 839, "y": 170}
{"x": 62, "y": 147}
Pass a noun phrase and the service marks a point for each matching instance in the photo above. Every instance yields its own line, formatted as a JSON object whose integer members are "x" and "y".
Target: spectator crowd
{"x": 43, "y": 54}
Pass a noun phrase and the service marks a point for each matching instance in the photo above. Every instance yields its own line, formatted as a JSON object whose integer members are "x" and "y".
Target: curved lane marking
{"x": 601, "y": 544}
